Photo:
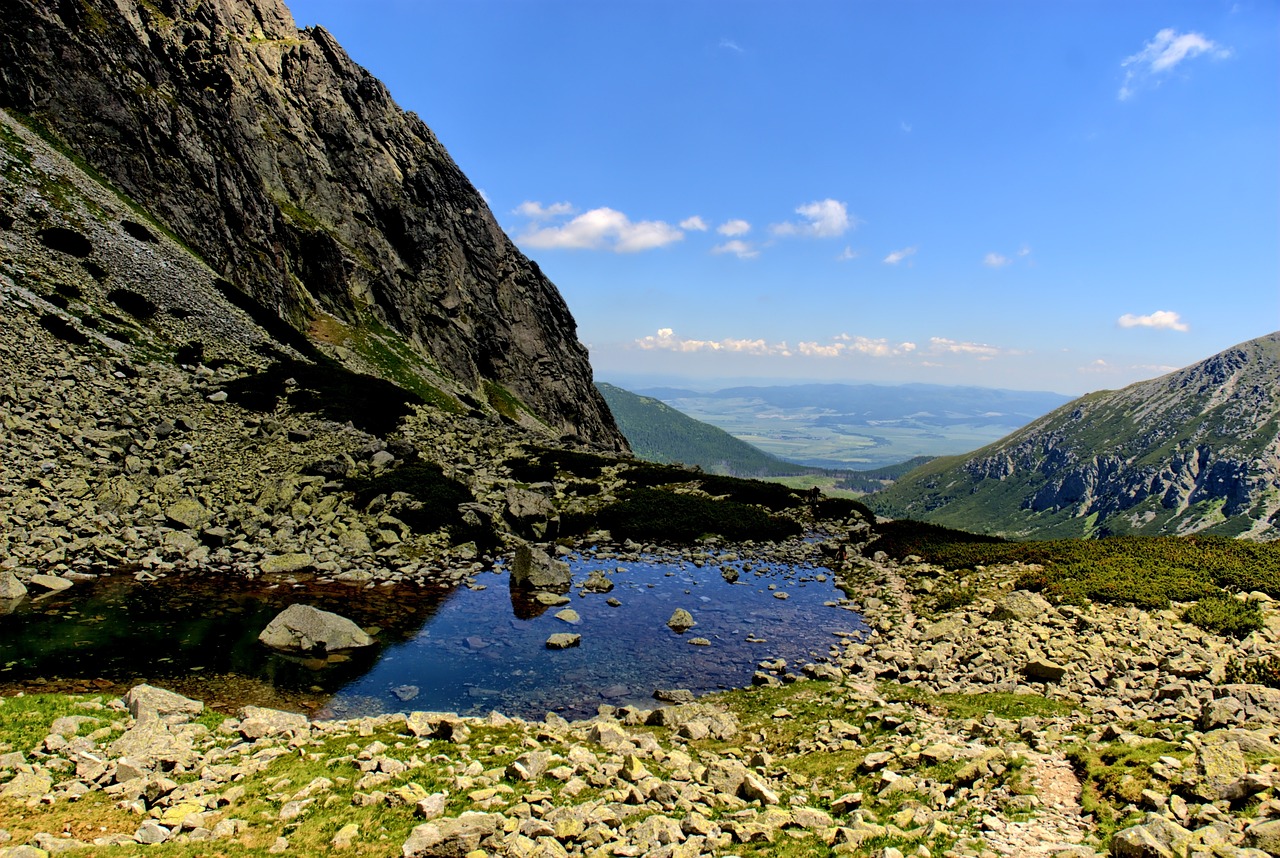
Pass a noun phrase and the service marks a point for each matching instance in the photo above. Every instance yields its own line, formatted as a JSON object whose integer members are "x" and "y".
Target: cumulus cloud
{"x": 537, "y": 211}
{"x": 898, "y": 255}
{"x": 1162, "y": 55}
{"x": 667, "y": 340}
{"x": 740, "y": 249}
{"x": 996, "y": 260}
{"x": 822, "y": 219}
{"x": 848, "y": 254}
{"x": 1163, "y": 319}
{"x": 694, "y": 224}
{"x": 879, "y": 347}
{"x": 604, "y": 229}
{"x": 734, "y": 227}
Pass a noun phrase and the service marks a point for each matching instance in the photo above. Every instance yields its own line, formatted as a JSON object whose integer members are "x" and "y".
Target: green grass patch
{"x": 1113, "y": 777}
{"x": 965, "y": 706}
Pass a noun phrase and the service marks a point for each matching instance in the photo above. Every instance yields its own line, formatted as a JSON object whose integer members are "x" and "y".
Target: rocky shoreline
{"x": 868, "y": 752}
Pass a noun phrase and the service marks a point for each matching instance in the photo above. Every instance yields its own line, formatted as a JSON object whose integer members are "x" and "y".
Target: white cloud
{"x": 730, "y": 45}
{"x": 817, "y": 350}
{"x": 982, "y": 351}
{"x": 604, "y": 228}
{"x": 666, "y": 339}
{"x": 905, "y": 126}
{"x": 537, "y": 211}
{"x": 1162, "y": 55}
{"x": 740, "y": 249}
{"x": 1025, "y": 250}
{"x": 996, "y": 260}
{"x": 823, "y": 219}
{"x": 840, "y": 345}
{"x": 847, "y": 254}
{"x": 695, "y": 224}
{"x": 1163, "y": 319}
{"x": 1098, "y": 365}
{"x": 898, "y": 255}
{"x": 734, "y": 227}
{"x": 879, "y": 347}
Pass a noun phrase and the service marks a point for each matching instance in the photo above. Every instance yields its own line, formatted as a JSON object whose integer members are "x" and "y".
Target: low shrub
{"x": 1263, "y": 671}
{"x": 655, "y": 515}
{"x": 1223, "y": 614}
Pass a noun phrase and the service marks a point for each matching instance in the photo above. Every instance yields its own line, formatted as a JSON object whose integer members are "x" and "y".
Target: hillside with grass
{"x": 659, "y": 433}
{"x": 1194, "y": 451}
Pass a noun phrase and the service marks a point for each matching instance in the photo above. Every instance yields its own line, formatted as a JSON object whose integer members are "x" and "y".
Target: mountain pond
{"x": 469, "y": 649}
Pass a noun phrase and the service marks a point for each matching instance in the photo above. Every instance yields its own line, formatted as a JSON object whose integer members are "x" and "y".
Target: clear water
{"x": 468, "y": 650}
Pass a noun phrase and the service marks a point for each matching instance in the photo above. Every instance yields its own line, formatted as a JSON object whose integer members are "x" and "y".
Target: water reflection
{"x": 470, "y": 649}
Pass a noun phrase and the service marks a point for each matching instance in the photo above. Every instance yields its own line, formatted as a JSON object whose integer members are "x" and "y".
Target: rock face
{"x": 1197, "y": 450}
{"x": 292, "y": 171}
{"x": 302, "y": 627}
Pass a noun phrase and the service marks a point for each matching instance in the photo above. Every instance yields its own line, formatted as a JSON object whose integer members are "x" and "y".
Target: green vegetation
{"x": 1263, "y": 671}
{"x": 1148, "y": 572}
{"x": 878, "y": 478}
{"x": 1225, "y": 615}
{"x": 1113, "y": 776}
{"x": 659, "y": 433}
{"x": 658, "y": 515}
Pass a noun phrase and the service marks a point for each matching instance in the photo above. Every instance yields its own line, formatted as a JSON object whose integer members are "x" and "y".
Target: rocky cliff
{"x": 1195, "y": 450}
{"x": 291, "y": 170}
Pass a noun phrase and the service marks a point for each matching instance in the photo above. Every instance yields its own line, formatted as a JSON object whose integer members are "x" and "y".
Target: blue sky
{"x": 1039, "y": 195}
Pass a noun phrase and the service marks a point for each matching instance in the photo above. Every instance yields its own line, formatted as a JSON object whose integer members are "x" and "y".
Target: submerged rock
{"x": 563, "y": 640}
{"x": 302, "y": 627}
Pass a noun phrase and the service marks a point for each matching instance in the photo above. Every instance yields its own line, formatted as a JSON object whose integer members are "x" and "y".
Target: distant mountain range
{"x": 659, "y": 433}
{"x": 1197, "y": 450}
{"x": 861, "y": 426}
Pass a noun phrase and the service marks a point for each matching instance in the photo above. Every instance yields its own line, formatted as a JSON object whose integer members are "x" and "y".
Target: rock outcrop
{"x": 299, "y": 180}
{"x": 1197, "y": 450}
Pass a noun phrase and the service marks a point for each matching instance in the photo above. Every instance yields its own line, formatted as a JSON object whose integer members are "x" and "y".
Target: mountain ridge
{"x": 294, "y": 174}
{"x": 1195, "y": 450}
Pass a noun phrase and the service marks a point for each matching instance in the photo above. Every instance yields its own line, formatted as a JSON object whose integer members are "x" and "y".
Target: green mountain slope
{"x": 659, "y": 433}
{"x": 1197, "y": 450}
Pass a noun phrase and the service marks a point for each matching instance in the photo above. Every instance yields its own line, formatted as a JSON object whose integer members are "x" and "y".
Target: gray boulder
{"x": 146, "y": 701}
{"x": 1021, "y": 605}
{"x": 50, "y": 582}
{"x": 534, "y": 569}
{"x": 452, "y": 838}
{"x": 302, "y": 627}
{"x": 10, "y": 586}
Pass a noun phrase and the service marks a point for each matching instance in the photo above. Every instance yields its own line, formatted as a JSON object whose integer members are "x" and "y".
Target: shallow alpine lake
{"x": 471, "y": 649}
